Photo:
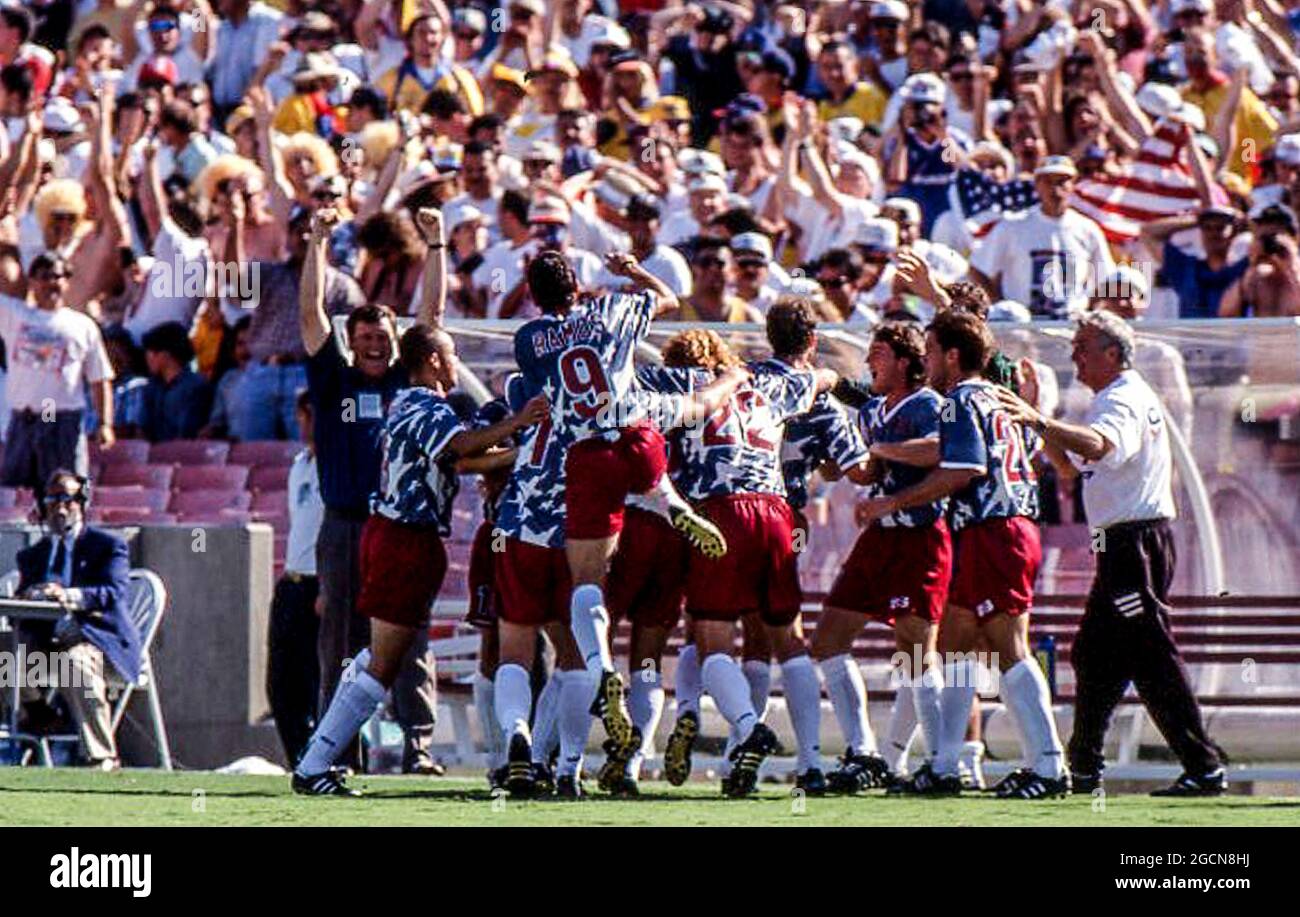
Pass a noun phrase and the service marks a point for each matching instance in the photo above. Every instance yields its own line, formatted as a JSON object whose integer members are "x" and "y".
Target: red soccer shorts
{"x": 647, "y": 576}
{"x": 402, "y": 568}
{"x": 759, "y": 572}
{"x": 896, "y": 571}
{"x": 533, "y": 583}
{"x": 599, "y": 475}
{"x": 996, "y": 563}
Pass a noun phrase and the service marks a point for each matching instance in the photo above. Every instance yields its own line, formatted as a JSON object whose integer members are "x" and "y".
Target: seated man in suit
{"x": 87, "y": 570}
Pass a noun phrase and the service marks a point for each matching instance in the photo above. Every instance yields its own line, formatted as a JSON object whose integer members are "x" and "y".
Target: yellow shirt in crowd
{"x": 866, "y": 102}
{"x": 1254, "y": 123}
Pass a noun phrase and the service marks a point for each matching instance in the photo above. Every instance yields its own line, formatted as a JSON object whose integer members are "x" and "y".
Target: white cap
{"x": 700, "y": 162}
{"x": 1161, "y": 101}
{"x": 454, "y": 215}
{"x": 1056, "y": 165}
{"x": 845, "y": 129}
{"x": 849, "y": 155}
{"x": 543, "y": 149}
{"x": 923, "y": 87}
{"x": 1008, "y": 310}
{"x": 707, "y": 182}
{"x": 752, "y": 242}
{"x": 62, "y": 116}
{"x": 1287, "y": 149}
{"x": 889, "y": 9}
{"x": 1190, "y": 6}
{"x": 905, "y": 204}
{"x": 606, "y": 32}
{"x": 549, "y": 210}
{"x": 878, "y": 234}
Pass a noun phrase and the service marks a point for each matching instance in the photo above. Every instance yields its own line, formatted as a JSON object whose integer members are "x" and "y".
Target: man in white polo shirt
{"x": 1122, "y": 451}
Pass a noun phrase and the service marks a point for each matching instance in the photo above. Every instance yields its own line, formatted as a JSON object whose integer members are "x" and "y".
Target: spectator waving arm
{"x": 433, "y": 293}
{"x": 313, "y": 321}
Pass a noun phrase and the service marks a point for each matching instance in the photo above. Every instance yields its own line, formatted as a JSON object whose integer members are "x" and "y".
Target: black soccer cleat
{"x": 1010, "y": 782}
{"x": 747, "y": 758}
{"x": 329, "y": 783}
{"x": 610, "y": 706}
{"x": 859, "y": 772}
{"x": 543, "y": 779}
{"x": 1215, "y": 783}
{"x": 677, "y": 754}
{"x": 568, "y": 787}
{"x": 812, "y": 782}
{"x": 615, "y": 766}
{"x": 1086, "y": 784}
{"x": 519, "y": 768}
{"x": 625, "y": 788}
{"x": 497, "y": 778}
{"x": 925, "y": 782}
{"x": 1036, "y": 786}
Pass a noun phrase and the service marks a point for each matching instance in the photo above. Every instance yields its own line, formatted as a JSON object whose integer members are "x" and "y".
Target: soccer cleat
{"x": 497, "y": 778}
{"x": 1215, "y": 783}
{"x": 677, "y": 755}
{"x": 1086, "y": 784}
{"x": 859, "y": 772}
{"x": 615, "y": 766}
{"x": 519, "y": 767}
{"x": 1036, "y": 786}
{"x": 703, "y": 535}
{"x": 610, "y": 707}
{"x": 330, "y": 783}
{"x": 568, "y": 787}
{"x": 812, "y": 782}
{"x": 747, "y": 758}
{"x": 543, "y": 779}
{"x": 625, "y": 788}
{"x": 925, "y": 782}
{"x": 1010, "y": 782}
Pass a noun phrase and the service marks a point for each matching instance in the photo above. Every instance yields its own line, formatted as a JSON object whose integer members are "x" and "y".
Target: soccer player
{"x": 732, "y": 465}
{"x": 402, "y": 557}
{"x": 899, "y": 568}
{"x": 985, "y": 471}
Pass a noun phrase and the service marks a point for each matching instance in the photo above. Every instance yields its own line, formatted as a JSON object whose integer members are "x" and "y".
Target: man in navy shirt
{"x": 1199, "y": 280}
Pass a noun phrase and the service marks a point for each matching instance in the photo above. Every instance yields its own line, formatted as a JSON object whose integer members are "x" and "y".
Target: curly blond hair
{"x": 224, "y": 168}
{"x": 59, "y": 195}
{"x": 699, "y": 348}
{"x": 377, "y": 139}
{"x": 319, "y": 151}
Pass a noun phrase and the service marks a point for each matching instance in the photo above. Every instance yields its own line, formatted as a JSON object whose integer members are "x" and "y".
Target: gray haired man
{"x": 1122, "y": 452}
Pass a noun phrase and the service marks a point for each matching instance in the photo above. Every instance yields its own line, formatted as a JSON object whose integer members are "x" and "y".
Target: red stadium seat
{"x": 190, "y": 452}
{"x": 264, "y": 452}
{"x": 123, "y": 474}
{"x": 210, "y": 477}
{"x": 15, "y": 514}
{"x": 127, "y": 515}
{"x": 271, "y": 501}
{"x": 208, "y": 502}
{"x": 129, "y": 451}
{"x": 131, "y": 497}
{"x": 268, "y": 477}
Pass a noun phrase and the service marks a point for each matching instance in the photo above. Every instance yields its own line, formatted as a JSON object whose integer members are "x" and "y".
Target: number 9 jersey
{"x": 975, "y": 433}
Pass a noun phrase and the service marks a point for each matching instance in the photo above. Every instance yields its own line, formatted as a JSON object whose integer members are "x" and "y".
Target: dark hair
{"x": 369, "y": 314}
{"x": 489, "y": 121}
{"x": 418, "y": 343}
{"x": 966, "y": 334}
{"x": 969, "y": 296}
{"x": 388, "y": 231}
{"x": 791, "y": 327}
{"x": 736, "y": 221}
{"x": 16, "y": 17}
{"x": 16, "y": 79}
{"x": 443, "y": 103}
{"x": 515, "y": 204}
{"x": 368, "y": 97}
{"x": 90, "y": 33}
{"x": 702, "y": 245}
{"x": 170, "y": 338}
{"x": 226, "y": 350}
{"x": 907, "y": 341}
{"x": 847, "y": 261}
{"x": 179, "y": 116}
{"x": 834, "y": 45}
{"x": 116, "y": 335}
{"x": 42, "y": 487}
{"x": 933, "y": 32}
{"x": 478, "y": 148}
{"x": 551, "y": 282}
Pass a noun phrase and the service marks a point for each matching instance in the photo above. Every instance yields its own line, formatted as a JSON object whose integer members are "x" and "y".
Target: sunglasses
{"x": 710, "y": 263}
{"x": 751, "y": 264}
{"x": 465, "y": 36}
{"x": 53, "y": 499}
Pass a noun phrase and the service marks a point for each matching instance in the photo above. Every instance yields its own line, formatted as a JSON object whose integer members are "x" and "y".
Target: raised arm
{"x": 313, "y": 321}
{"x": 277, "y": 185}
{"x": 1122, "y": 104}
{"x": 433, "y": 293}
{"x": 152, "y": 196}
{"x": 623, "y": 264}
{"x": 1156, "y": 233}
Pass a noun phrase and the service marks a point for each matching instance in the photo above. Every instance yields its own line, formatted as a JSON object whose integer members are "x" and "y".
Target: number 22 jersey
{"x": 975, "y": 433}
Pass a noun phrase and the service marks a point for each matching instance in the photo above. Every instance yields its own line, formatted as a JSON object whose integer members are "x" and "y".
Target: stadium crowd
{"x": 164, "y": 167}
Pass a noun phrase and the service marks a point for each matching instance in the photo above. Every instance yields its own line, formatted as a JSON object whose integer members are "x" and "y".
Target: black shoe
{"x": 1085, "y": 784}
{"x": 610, "y": 706}
{"x": 1008, "y": 784}
{"x": 747, "y": 758}
{"x": 519, "y": 767}
{"x": 497, "y": 778}
{"x": 326, "y": 784}
{"x": 925, "y": 782}
{"x": 615, "y": 766}
{"x": 812, "y": 782}
{"x": 543, "y": 779}
{"x": 1215, "y": 783}
{"x": 1036, "y": 786}
{"x": 625, "y": 788}
{"x": 677, "y": 754}
{"x": 568, "y": 787}
{"x": 859, "y": 772}
{"x": 426, "y": 769}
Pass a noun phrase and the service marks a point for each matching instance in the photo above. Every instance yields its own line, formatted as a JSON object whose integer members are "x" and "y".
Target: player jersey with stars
{"x": 489, "y": 413}
{"x": 417, "y": 479}
{"x": 738, "y": 450}
{"x": 975, "y": 433}
{"x": 823, "y": 434}
{"x": 532, "y": 507}
{"x": 914, "y": 417}
{"x": 582, "y": 362}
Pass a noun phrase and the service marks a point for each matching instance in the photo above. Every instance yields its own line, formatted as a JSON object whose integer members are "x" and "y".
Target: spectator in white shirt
{"x": 642, "y": 222}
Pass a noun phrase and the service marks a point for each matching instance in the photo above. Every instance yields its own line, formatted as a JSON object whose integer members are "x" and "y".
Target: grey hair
{"x": 1115, "y": 330}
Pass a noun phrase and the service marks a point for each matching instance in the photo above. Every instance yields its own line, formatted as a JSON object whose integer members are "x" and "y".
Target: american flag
{"x": 1156, "y": 184}
{"x": 983, "y": 200}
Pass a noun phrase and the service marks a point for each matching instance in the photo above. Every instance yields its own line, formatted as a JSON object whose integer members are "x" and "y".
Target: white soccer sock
{"x": 645, "y": 705}
{"x": 687, "y": 678}
{"x": 972, "y": 758}
{"x": 577, "y": 688}
{"x": 513, "y": 698}
{"x": 546, "y": 714}
{"x": 356, "y": 699}
{"x": 803, "y": 700}
{"x": 954, "y": 710}
{"x": 926, "y": 691}
{"x": 1025, "y": 689}
{"x": 589, "y": 622}
{"x": 487, "y": 721}
{"x": 902, "y": 724}
{"x": 758, "y": 672}
{"x": 848, "y": 694}
{"x": 726, "y": 684}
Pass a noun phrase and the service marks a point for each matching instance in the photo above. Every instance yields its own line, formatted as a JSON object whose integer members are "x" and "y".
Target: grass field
{"x": 31, "y": 796}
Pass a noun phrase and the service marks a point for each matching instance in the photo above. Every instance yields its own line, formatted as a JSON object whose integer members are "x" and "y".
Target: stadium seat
{"x": 264, "y": 452}
{"x": 129, "y": 451}
{"x": 272, "y": 501}
{"x": 210, "y": 477}
{"x": 132, "y": 497}
{"x": 268, "y": 477}
{"x": 8, "y": 497}
{"x": 131, "y": 515}
{"x": 122, "y": 474}
{"x": 190, "y": 452}
{"x": 208, "y": 502}
{"x": 15, "y": 514}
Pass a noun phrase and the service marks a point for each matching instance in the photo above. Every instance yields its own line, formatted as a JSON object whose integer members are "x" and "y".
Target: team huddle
{"x": 661, "y": 491}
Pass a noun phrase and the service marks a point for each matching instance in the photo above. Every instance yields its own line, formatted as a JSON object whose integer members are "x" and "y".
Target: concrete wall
{"x": 210, "y": 654}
